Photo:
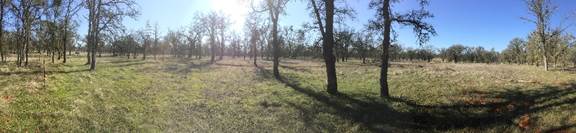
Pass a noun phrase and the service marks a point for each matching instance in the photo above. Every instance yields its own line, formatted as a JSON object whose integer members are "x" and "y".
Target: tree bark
{"x": 222, "y": 43}
{"x": 255, "y": 46}
{"x": 213, "y": 47}
{"x": 385, "y": 53}
{"x": 275, "y": 47}
{"x": 329, "y": 57}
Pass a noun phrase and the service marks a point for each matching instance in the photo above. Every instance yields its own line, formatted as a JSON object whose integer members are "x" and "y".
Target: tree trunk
{"x": 221, "y": 44}
{"x": 93, "y": 32}
{"x": 385, "y": 53}
{"x": 544, "y": 47}
{"x": 2, "y": 5}
{"x": 545, "y": 59}
{"x": 199, "y": 49}
{"x": 275, "y": 47}
{"x": 146, "y": 48}
{"x": 213, "y": 48}
{"x": 88, "y": 54}
{"x": 329, "y": 57}
{"x": 52, "y": 53}
{"x": 64, "y": 42}
{"x": 254, "y": 50}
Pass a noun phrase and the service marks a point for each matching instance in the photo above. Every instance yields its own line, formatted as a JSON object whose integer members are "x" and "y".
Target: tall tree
{"x": 223, "y": 23}
{"x": 195, "y": 34}
{"x": 326, "y": 29}
{"x": 541, "y": 10}
{"x": 3, "y": 5}
{"x": 156, "y": 44}
{"x": 210, "y": 22}
{"x": 105, "y": 15}
{"x": 26, "y": 13}
{"x": 385, "y": 18}
{"x": 253, "y": 31}
{"x": 146, "y": 39}
{"x": 275, "y": 8}
{"x": 71, "y": 8}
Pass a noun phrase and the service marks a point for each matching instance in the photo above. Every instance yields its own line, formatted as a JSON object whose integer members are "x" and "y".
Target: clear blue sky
{"x": 487, "y": 23}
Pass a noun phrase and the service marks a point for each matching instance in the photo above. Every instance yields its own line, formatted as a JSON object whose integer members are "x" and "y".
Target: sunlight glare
{"x": 237, "y": 10}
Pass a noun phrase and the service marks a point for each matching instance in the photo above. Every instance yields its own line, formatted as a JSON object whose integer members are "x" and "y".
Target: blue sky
{"x": 487, "y": 23}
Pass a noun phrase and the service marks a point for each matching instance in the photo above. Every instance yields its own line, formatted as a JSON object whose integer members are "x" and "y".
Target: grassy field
{"x": 232, "y": 95}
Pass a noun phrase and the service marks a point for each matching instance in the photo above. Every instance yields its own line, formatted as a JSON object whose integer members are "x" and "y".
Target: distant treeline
{"x": 561, "y": 52}
{"x": 296, "y": 43}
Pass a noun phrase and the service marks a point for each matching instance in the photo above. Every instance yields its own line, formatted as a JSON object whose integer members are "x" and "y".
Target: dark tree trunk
{"x": 88, "y": 54}
{"x": 64, "y": 41}
{"x": 199, "y": 50}
{"x": 221, "y": 44}
{"x": 254, "y": 51}
{"x": 328, "y": 48}
{"x": 190, "y": 49}
{"x": 2, "y": 5}
{"x": 213, "y": 49}
{"x": 144, "y": 50}
{"x": 275, "y": 48}
{"x": 385, "y": 53}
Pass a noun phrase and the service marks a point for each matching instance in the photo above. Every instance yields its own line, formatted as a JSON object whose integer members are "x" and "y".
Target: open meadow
{"x": 233, "y": 95}
{"x": 288, "y": 66}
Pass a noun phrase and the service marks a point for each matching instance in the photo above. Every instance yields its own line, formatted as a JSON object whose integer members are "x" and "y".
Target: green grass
{"x": 231, "y": 95}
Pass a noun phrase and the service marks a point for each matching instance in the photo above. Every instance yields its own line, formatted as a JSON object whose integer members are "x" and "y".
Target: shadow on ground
{"x": 487, "y": 110}
{"x": 48, "y": 72}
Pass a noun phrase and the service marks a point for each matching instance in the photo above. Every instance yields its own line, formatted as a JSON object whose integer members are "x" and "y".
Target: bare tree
{"x": 195, "y": 34}
{"x": 3, "y": 5}
{"x": 223, "y": 23}
{"x": 26, "y": 13}
{"x": 275, "y": 8}
{"x": 385, "y": 18}
{"x": 70, "y": 9}
{"x": 252, "y": 25}
{"x": 210, "y": 22}
{"x": 155, "y": 48}
{"x": 105, "y": 15}
{"x": 542, "y": 10}
{"x": 146, "y": 39}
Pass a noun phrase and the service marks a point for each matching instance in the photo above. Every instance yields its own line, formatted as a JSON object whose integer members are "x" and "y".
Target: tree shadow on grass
{"x": 40, "y": 72}
{"x": 361, "y": 112}
{"x": 482, "y": 110}
{"x": 128, "y": 64}
{"x": 571, "y": 70}
{"x": 294, "y": 68}
{"x": 185, "y": 68}
{"x": 233, "y": 65}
